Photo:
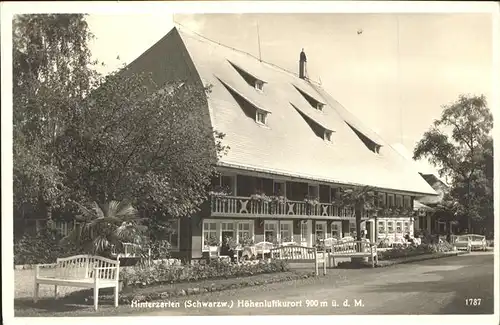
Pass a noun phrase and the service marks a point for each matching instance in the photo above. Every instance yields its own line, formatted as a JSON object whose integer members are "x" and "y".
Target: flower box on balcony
{"x": 277, "y": 204}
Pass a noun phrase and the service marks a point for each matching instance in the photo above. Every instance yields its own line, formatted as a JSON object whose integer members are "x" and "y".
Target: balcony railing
{"x": 236, "y": 206}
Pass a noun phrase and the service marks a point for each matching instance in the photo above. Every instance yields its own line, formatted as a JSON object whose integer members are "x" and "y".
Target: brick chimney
{"x": 302, "y": 65}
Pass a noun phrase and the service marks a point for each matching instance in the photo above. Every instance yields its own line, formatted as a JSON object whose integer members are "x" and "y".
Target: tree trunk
{"x": 50, "y": 223}
{"x": 358, "y": 210}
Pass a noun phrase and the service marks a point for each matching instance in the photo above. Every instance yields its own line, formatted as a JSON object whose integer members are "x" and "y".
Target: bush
{"x": 44, "y": 247}
{"x": 383, "y": 243}
{"x": 415, "y": 250}
{"x": 354, "y": 265}
{"x": 164, "y": 273}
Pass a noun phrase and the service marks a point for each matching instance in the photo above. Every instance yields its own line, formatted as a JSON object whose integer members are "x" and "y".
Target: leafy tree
{"x": 105, "y": 226}
{"x": 80, "y": 137}
{"x": 51, "y": 75}
{"x": 460, "y": 145}
{"x": 147, "y": 143}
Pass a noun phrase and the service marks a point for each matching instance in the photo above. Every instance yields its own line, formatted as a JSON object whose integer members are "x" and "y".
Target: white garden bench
{"x": 363, "y": 248}
{"x": 300, "y": 254}
{"x": 262, "y": 248}
{"x": 81, "y": 271}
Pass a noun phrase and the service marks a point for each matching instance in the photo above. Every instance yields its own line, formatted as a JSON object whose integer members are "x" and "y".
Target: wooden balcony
{"x": 235, "y": 206}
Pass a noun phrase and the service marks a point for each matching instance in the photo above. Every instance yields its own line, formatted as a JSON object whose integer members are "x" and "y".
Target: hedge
{"x": 163, "y": 273}
{"x": 414, "y": 250}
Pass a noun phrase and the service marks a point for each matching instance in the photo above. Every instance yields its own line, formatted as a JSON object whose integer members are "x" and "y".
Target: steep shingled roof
{"x": 287, "y": 145}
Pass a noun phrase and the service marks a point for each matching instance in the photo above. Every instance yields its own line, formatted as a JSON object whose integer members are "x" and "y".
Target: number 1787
{"x": 473, "y": 301}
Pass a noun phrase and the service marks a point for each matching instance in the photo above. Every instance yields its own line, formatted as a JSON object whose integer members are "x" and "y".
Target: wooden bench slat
{"x": 300, "y": 254}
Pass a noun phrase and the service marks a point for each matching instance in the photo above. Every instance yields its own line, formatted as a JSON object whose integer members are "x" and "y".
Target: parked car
{"x": 470, "y": 242}
{"x": 478, "y": 242}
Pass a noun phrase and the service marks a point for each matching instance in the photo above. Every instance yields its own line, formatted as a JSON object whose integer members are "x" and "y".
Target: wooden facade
{"x": 280, "y": 210}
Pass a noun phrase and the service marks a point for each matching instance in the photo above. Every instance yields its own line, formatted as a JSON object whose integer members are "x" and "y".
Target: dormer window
{"x": 369, "y": 143}
{"x": 261, "y": 117}
{"x": 251, "y": 108}
{"x": 259, "y": 85}
{"x": 250, "y": 78}
{"x": 328, "y": 135}
{"x": 318, "y": 128}
{"x": 312, "y": 101}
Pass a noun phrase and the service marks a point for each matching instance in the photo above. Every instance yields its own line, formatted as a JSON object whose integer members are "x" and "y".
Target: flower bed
{"x": 414, "y": 251}
{"x": 163, "y": 273}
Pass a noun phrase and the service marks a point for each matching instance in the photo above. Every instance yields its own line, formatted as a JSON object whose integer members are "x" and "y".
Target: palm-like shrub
{"x": 104, "y": 227}
{"x": 359, "y": 199}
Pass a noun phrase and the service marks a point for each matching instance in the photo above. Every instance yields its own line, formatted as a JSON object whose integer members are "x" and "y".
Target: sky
{"x": 393, "y": 71}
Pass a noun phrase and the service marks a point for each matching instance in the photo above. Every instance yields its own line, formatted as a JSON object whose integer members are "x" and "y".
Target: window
{"x": 390, "y": 227}
{"x": 248, "y": 77}
{"x": 286, "y": 231}
{"x": 441, "y": 227}
{"x": 312, "y": 101}
{"x": 261, "y": 117}
{"x": 313, "y": 191}
{"x": 336, "y": 229}
{"x": 270, "y": 233}
{"x": 381, "y": 200}
{"x": 317, "y": 127}
{"x": 335, "y": 194}
{"x": 399, "y": 227}
{"x": 209, "y": 233}
{"x": 352, "y": 228}
{"x": 369, "y": 143}
{"x": 399, "y": 201}
{"x": 279, "y": 188}
{"x": 63, "y": 227}
{"x": 381, "y": 227}
{"x": 227, "y": 182}
{"x": 407, "y": 202}
{"x": 259, "y": 85}
{"x": 248, "y": 106}
{"x": 244, "y": 231}
{"x": 421, "y": 222}
{"x": 390, "y": 200}
{"x": 227, "y": 231}
{"x": 173, "y": 236}
{"x": 320, "y": 230}
{"x": 303, "y": 232}
{"x": 406, "y": 228}
{"x": 328, "y": 135}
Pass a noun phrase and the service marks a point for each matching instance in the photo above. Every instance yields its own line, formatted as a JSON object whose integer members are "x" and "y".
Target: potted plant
{"x": 212, "y": 243}
{"x": 232, "y": 243}
{"x": 260, "y": 197}
{"x": 258, "y": 201}
{"x": 246, "y": 241}
{"x": 312, "y": 203}
{"x": 320, "y": 245}
{"x": 220, "y": 192}
{"x": 276, "y": 201}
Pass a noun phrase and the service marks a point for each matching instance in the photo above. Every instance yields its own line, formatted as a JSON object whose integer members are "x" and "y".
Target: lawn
{"x": 23, "y": 286}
